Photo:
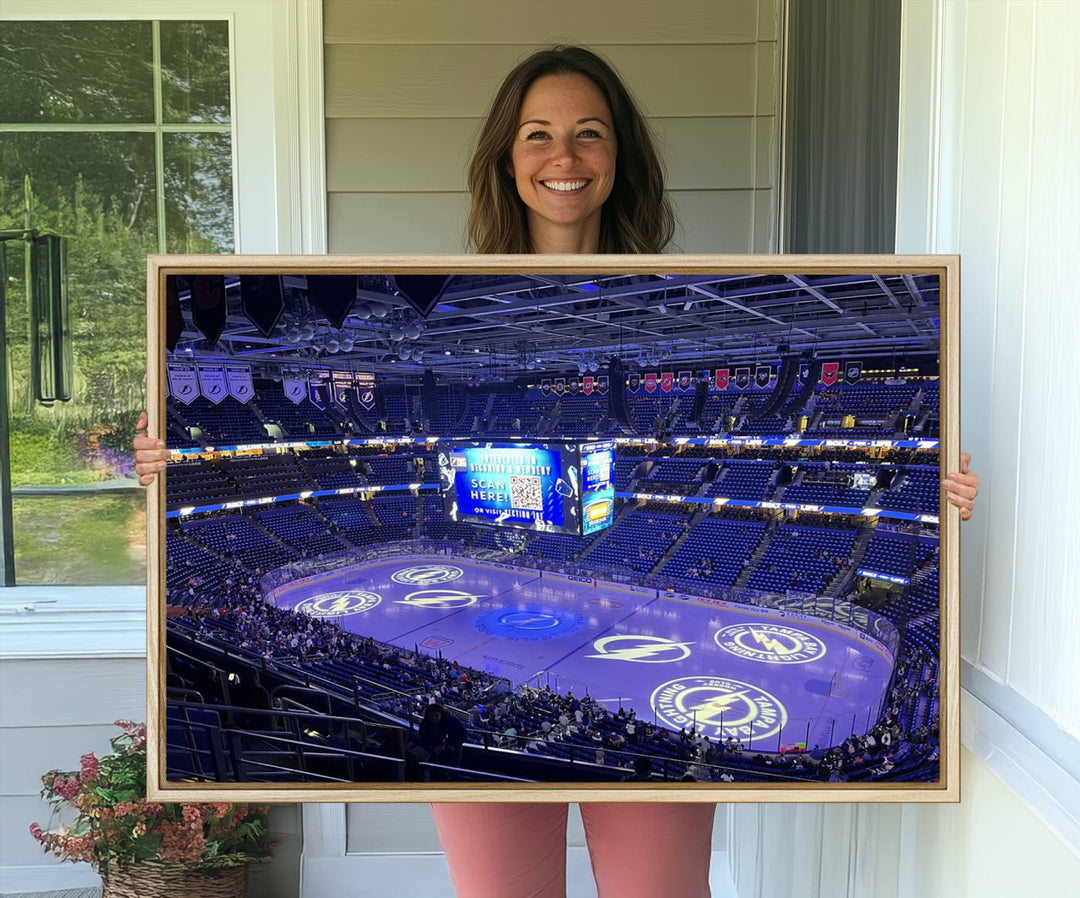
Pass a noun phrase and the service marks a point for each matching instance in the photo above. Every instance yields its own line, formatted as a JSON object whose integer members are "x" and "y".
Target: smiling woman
{"x": 563, "y": 162}
{"x": 563, "y": 116}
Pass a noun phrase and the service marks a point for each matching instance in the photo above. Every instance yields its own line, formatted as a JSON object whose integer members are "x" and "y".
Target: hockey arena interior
{"x": 552, "y": 529}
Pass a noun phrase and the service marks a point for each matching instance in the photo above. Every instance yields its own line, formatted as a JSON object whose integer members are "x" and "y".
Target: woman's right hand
{"x": 150, "y": 454}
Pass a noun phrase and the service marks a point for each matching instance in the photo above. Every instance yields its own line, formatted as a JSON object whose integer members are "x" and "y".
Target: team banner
{"x": 804, "y": 371}
{"x": 587, "y": 386}
{"x": 602, "y": 383}
{"x": 238, "y": 378}
{"x": 560, "y": 386}
{"x": 318, "y": 387}
{"x": 184, "y": 382}
{"x": 705, "y": 375}
{"x": 667, "y": 380}
{"x": 294, "y": 385}
{"x": 829, "y": 372}
{"x": 852, "y": 372}
{"x": 684, "y": 380}
{"x": 574, "y": 386}
{"x": 545, "y": 386}
{"x": 341, "y": 383}
{"x": 212, "y": 381}
{"x": 366, "y": 389}
{"x": 762, "y": 375}
{"x": 650, "y": 382}
{"x": 722, "y": 378}
{"x": 635, "y": 382}
{"x": 742, "y": 378}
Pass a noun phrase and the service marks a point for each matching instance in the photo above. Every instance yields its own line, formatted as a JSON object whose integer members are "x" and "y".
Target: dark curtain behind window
{"x": 843, "y": 86}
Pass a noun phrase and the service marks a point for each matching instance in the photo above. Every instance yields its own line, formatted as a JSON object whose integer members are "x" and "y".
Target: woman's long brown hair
{"x": 637, "y": 217}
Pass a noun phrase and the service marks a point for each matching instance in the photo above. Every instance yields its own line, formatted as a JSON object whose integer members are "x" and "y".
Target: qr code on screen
{"x": 525, "y": 492}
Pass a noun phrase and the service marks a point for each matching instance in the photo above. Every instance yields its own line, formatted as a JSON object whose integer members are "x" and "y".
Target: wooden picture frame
{"x": 801, "y": 310}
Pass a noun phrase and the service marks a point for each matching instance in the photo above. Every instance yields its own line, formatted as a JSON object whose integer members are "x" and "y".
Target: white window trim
{"x": 280, "y": 207}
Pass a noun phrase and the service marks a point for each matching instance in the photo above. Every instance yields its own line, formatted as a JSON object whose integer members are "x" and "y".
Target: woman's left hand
{"x": 962, "y": 488}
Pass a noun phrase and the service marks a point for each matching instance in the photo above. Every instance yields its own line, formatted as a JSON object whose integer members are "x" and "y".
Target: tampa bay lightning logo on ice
{"x": 440, "y": 598}
{"x": 530, "y": 622}
{"x": 770, "y": 643}
{"x": 337, "y": 604}
{"x": 720, "y": 707}
{"x": 649, "y": 649}
{"x": 426, "y": 574}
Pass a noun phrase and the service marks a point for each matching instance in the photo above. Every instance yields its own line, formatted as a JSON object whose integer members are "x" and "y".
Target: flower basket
{"x": 174, "y": 881}
{"x": 149, "y": 849}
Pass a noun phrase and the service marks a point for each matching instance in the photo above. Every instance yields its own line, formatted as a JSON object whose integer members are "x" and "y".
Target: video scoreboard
{"x": 557, "y": 487}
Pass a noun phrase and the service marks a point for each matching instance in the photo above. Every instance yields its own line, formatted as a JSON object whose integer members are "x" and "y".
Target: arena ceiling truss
{"x": 500, "y": 326}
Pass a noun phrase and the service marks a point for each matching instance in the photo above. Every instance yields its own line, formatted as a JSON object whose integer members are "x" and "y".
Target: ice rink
{"x": 733, "y": 670}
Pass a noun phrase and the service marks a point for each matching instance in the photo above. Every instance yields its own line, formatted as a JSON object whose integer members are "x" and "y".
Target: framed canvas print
{"x": 521, "y": 528}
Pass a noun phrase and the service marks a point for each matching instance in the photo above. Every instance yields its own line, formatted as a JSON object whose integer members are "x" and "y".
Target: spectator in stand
{"x": 442, "y": 736}
{"x": 643, "y": 768}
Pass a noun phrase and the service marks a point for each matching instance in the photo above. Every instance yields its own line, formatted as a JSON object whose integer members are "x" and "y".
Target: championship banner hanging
{"x": 762, "y": 375}
{"x": 318, "y": 388}
{"x": 183, "y": 382}
{"x": 667, "y": 380}
{"x": 742, "y": 378}
{"x": 587, "y": 385}
{"x": 705, "y": 374}
{"x": 602, "y": 383}
{"x": 294, "y": 385}
{"x": 634, "y": 382}
{"x": 804, "y": 371}
{"x": 722, "y": 378}
{"x": 684, "y": 380}
{"x": 574, "y": 386}
{"x": 545, "y": 386}
{"x": 560, "y": 386}
{"x": 341, "y": 383}
{"x": 829, "y": 372}
{"x": 238, "y": 379}
{"x": 650, "y": 382}
{"x": 212, "y": 381}
{"x": 852, "y": 372}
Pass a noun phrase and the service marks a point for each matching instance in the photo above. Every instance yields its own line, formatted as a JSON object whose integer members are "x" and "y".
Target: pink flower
{"x": 89, "y": 767}
{"x": 65, "y": 788}
{"x": 181, "y": 842}
{"x": 192, "y": 814}
{"x": 36, "y": 831}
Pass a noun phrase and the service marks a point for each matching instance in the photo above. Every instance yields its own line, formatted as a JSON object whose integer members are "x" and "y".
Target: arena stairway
{"x": 257, "y": 524}
{"x": 755, "y": 556}
{"x": 841, "y": 583}
{"x": 695, "y": 519}
{"x": 916, "y": 402}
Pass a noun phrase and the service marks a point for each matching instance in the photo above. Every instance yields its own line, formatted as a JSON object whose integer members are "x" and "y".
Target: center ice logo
{"x": 427, "y": 574}
{"x": 770, "y": 643}
{"x": 646, "y": 649}
{"x": 720, "y": 707}
{"x": 337, "y": 604}
{"x": 439, "y": 598}
{"x": 529, "y": 622}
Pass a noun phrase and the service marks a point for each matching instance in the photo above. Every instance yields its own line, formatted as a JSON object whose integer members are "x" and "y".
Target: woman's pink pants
{"x": 518, "y": 850}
